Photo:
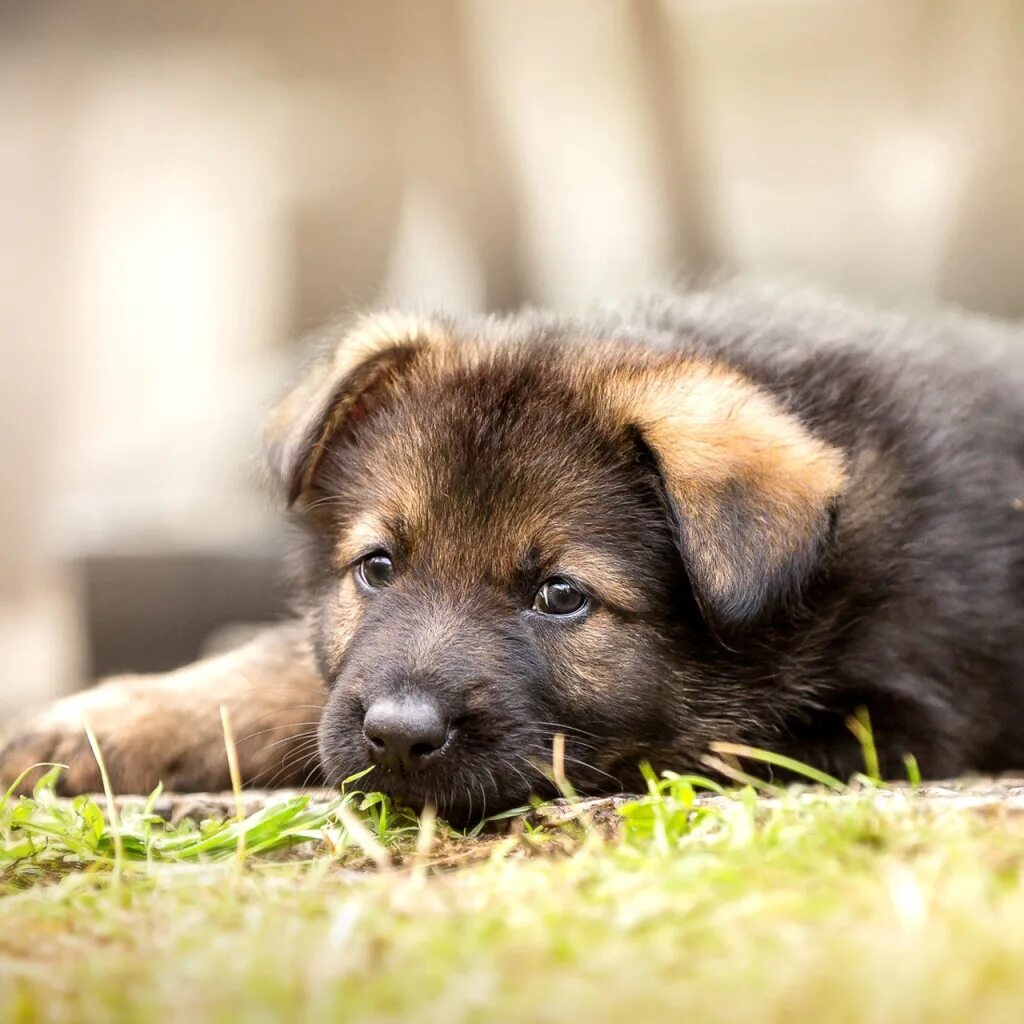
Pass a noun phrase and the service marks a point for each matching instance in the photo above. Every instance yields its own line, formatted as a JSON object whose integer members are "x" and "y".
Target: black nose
{"x": 404, "y": 733}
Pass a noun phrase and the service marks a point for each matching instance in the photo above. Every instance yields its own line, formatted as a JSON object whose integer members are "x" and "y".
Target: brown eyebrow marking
{"x": 611, "y": 578}
{"x": 365, "y": 534}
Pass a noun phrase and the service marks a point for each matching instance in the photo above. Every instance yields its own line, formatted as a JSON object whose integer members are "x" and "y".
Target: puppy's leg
{"x": 168, "y": 727}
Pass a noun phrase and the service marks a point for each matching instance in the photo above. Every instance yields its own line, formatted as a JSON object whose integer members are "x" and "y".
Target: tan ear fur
{"x": 751, "y": 488}
{"x": 368, "y": 355}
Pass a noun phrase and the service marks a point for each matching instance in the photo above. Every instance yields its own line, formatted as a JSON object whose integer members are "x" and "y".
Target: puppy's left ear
{"x": 751, "y": 490}
{"x": 355, "y": 372}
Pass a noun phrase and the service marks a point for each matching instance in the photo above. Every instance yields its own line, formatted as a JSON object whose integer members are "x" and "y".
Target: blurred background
{"x": 188, "y": 187}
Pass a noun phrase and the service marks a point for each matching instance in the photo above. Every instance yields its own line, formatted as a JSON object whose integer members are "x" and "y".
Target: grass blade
{"x": 112, "y": 815}
{"x": 781, "y": 761}
{"x": 236, "y": 780}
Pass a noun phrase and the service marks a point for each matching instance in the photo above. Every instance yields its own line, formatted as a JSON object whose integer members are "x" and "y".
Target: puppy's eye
{"x": 557, "y": 596}
{"x": 376, "y": 571}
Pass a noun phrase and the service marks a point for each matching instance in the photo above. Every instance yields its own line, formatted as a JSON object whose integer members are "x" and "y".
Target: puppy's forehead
{"x": 493, "y": 461}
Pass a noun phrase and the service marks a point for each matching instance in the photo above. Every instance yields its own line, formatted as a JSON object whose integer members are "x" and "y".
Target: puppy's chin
{"x": 461, "y": 791}
{"x": 462, "y": 800}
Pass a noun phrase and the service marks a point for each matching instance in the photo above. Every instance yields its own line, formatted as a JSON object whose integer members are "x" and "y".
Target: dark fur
{"x": 909, "y": 604}
{"x": 866, "y": 551}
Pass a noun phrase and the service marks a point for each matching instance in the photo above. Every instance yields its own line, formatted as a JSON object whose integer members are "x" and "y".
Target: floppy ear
{"x": 751, "y": 490}
{"x": 336, "y": 389}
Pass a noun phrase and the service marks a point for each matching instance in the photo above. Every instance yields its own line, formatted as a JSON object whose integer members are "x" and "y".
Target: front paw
{"x": 143, "y": 737}
{"x": 41, "y": 744}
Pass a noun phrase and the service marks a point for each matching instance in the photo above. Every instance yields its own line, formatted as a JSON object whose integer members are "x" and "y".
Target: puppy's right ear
{"x": 338, "y": 389}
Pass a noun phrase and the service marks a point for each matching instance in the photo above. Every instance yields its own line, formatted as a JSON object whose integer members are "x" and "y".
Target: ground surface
{"x": 864, "y": 904}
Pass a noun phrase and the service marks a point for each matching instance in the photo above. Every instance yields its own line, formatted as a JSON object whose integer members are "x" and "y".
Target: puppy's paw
{"x": 146, "y": 733}
{"x": 41, "y": 742}
{"x": 167, "y": 728}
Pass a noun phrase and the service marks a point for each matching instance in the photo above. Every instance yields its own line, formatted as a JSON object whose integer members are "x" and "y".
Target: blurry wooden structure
{"x": 188, "y": 187}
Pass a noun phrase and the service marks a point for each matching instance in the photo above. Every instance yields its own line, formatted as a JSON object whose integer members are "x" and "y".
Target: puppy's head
{"x": 513, "y": 535}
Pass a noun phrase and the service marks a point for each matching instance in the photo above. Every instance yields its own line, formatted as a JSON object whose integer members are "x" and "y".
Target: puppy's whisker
{"x": 277, "y": 728}
{"x": 312, "y": 773}
{"x": 326, "y": 502}
{"x": 303, "y": 751}
{"x": 587, "y": 766}
{"x": 291, "y": 764}
{"x": 309, "y": 733}
{"x": 566, "y": 728}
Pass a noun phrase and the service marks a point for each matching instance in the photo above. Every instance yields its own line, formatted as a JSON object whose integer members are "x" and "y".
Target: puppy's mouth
{"x": 459, "y": 797}
{"x": 466, "y": 770}
{"x": 462, "y": 787}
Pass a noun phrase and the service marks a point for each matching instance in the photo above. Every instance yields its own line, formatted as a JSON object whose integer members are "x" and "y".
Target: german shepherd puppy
{"x": 734, "y": 514}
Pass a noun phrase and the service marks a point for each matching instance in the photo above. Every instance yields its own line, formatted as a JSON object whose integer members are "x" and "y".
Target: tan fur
{"x": 363, "y": 536}
{"x": 168, "y": 728}
{"x": 714, "y": 432}
{"x": 308, "y": 405}
{"x": 346, "y": 616}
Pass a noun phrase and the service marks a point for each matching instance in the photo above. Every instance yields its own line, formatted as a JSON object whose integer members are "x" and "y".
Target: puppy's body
{"x": 777, "y": 510}
{"x": 919, "y": 611}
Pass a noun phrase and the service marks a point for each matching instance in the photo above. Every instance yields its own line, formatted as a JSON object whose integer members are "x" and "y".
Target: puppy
{"x": 735, "y": 514}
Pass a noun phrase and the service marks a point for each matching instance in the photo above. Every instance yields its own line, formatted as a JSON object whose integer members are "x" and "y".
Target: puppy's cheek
{"x": 343, "y": 610}
{"x": 339, "y": 736}
{"x": 601, "y": 662}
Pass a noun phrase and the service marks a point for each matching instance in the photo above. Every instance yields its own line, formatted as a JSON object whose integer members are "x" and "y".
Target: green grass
{"x": 824, "y": 904}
